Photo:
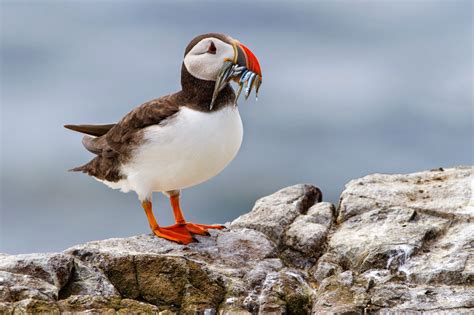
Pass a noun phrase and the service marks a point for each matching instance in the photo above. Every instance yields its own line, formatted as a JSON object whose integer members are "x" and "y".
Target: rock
{"x": 396, "y": 297}
{"x": 52, "y": 268}
{"x": 447, "y": 260}
{"x": 35, "y": 276}
{"x": 17, "y": 287}
{"x": 87, "y": 280}
{"x": 243, "y": 247}
{"x": 282, "y": 292}
{"x": 383, "y": 238}
{"x": 308, "y": 231}
{"x": 441, "y": 192}
{"x": 341, "y": 293}
{"x": 170, "y": 280}
{"x": 99, "y": 304}
{"x": 401, "y": 243}
{"x": 32, "y": 306}
{"x": 325, "y": 269}
{"x": 400, "y": 235}
{"x": 273, "y": 214}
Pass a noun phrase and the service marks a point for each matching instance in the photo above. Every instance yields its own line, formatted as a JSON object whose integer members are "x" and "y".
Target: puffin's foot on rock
{"x": 194, "y": 228}
{"x": 181, "y": 236}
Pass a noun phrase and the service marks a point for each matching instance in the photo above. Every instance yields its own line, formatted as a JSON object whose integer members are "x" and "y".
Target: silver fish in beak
{"x": 244, "y": 69}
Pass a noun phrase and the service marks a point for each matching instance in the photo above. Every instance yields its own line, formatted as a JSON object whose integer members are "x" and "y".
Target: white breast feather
{"x": 186, "y": 150}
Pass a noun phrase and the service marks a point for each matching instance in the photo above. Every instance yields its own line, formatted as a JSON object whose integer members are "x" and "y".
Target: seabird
{"x": 181, "y": 139}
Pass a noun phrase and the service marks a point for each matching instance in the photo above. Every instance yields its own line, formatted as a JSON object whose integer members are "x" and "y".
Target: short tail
{"x": 84, "y": 168}
{"x": 81, "y": 168}
{"x": 93, "y": 130}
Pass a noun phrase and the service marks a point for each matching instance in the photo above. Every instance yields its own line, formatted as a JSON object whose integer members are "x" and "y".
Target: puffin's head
{"x": 220, "y": 58}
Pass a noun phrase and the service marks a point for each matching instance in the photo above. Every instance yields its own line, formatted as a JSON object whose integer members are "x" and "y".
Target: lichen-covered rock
{"x": 17, "y": 287}
{"x": 396, "y": 298}
{"x": 308, "y": 231}
{"x": 448, "y": 259}
{"x": 383, "y": 238}
{"x": 163, "y": 276}
{"x": 223, "y": 272}
{"x": 87, "y": 280}
{"x": 33, "y": 306}
{"x": 401, "y": 236}
{"x": 441, "y": 192}
{"x": 52, "y": 268}
{"x": 284, "y": 291}
{"x": 401, "y": 243}
{"x": 273, "y": 214}
{"x": 341, "y": 293}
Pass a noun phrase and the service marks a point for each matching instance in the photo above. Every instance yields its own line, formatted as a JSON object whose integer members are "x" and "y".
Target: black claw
{"x": 195, "y": 240}
{"x": 207, "y": 233}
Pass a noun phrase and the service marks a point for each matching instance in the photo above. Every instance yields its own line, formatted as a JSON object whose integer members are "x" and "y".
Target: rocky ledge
{"x": 395, "y": 243}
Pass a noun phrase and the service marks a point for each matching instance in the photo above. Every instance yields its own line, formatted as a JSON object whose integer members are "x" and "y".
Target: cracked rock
{"x": 308, "y": 232}
{"x": 272, "y": 215}
{"x": 408, "y": 241}
{"x": 401, "y": 243}
{"x": 443, "y": 192}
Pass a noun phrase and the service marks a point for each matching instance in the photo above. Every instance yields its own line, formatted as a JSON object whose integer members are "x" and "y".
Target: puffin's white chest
{"x": 186, "y": 150}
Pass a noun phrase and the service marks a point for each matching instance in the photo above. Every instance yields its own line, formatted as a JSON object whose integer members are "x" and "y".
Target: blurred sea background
{"x": 349, "y": 88}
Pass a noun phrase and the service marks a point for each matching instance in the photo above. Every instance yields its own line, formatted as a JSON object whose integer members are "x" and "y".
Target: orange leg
{"x": 182, "y": 236}
{"x": 182, "y": 226}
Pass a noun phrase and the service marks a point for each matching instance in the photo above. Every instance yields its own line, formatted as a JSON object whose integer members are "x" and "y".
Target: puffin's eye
{"x": 212, "y": 48}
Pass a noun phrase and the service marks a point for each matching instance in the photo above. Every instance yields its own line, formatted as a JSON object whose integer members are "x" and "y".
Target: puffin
{"x": 181, "y": 139}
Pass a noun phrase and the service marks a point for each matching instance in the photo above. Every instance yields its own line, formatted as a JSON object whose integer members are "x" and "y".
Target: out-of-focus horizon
{"x": 349, "y": 88}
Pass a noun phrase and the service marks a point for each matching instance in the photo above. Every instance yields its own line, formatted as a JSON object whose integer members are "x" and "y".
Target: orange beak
{"x": 251, "y": 61}
{"x": 252, "y": 73}
{"x": 243, "y": 69}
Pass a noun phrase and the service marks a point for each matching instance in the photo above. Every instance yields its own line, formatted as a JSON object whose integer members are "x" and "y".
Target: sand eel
{"x": 181, "y": 139}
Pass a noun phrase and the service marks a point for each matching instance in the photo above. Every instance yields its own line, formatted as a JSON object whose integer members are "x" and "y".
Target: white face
{"x": 204, "y": 62}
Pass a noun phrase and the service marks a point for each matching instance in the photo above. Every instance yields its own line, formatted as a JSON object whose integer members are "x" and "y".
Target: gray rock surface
{"x": 396, "y": 243}
{"x": 407, "y": 241}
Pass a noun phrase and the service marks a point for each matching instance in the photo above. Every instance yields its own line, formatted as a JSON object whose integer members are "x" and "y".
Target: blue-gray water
{"x": 350, "y": 88}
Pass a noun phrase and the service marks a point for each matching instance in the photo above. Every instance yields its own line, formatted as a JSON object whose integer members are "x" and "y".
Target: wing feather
{"x": 118, "y": 140}
{"x": 127, "y": 133}
{"x": 93, "y": 130}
